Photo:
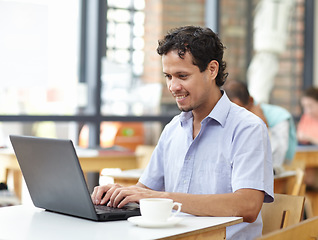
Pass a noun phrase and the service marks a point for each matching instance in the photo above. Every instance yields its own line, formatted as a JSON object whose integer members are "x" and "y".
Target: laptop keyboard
{"x": 104, "y": 208}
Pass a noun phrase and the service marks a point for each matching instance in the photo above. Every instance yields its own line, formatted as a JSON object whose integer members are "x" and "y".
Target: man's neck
{"x": 201, "y": 113}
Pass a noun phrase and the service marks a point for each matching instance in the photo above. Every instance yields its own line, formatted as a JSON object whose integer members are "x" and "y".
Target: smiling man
{"x": 214, "y": 157}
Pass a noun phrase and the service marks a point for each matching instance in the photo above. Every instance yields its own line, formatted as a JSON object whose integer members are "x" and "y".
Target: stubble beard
{"x": 185, "y": 109}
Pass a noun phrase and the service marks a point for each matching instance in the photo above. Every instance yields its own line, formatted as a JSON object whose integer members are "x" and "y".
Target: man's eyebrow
{"x": 175, "y": 72}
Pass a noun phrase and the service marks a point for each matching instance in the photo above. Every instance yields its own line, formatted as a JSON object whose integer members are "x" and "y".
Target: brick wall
{"x": 153, "y": 32}
{"x": 234, "y": 30}
{"x": 233, "y": 34}
{"x": 288, "y": 83}
{"x": 161, "y": 16}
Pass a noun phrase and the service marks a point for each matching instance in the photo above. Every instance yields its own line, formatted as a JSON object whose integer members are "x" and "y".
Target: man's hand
{"x": 121, "y": 196}
{"x": 118, "y": 196}
{"x": 102, "y": 194}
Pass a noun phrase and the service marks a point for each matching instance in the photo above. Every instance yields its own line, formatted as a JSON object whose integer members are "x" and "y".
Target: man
{"x": 214, "y": 157}
{"x": 280, "y": 123}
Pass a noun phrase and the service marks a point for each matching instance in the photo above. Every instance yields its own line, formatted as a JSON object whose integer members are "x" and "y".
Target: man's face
{"x": 190, "y": 87}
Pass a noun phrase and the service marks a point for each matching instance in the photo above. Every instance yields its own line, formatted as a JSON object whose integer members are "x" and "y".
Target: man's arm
{"x": 244, "y": 203}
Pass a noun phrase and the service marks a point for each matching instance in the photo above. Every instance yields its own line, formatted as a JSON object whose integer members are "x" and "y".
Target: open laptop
{"x": 56, "y": 182}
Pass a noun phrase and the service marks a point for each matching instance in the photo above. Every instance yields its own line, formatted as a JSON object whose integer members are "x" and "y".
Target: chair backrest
{"x": 299, "y": 186}
{"x": 305, "y": 230}
{"x": 286, "y": 210}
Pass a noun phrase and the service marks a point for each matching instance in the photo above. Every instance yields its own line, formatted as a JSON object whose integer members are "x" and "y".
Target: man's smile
{"x": 180, "y": 97}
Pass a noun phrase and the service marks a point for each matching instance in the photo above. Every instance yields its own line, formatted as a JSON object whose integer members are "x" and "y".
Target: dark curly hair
{"x": 311, "y": 92}
{"x": 203, "y": 44}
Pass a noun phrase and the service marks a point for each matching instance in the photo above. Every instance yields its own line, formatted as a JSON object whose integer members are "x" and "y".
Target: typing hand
{"x": 101, "y": 194}
{"x": 123, "y": 195}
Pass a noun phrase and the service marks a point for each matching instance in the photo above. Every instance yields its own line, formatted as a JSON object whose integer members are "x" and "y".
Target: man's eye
{"x": 183, "y": 76}
{"x": 168, "y": 76}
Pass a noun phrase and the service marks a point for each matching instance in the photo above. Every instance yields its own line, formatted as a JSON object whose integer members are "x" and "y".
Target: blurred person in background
{"x": 307, "y": 129}
{"x": 279, "y": 121}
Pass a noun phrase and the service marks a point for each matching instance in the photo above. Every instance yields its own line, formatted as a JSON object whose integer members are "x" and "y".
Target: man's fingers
{"x": 93, "y": 195}
{"x": 113, "y": 196}
{"x": 109, "y": 193}
{"x": 117, "y": 195}
{"x": 122, "y": 196}
{"x": 101, "y": 194}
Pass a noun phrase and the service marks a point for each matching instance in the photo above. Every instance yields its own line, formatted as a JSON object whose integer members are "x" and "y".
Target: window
{"x": 39, "y": 57}
{"x": 39, "y": 48}
{"x": 123, "y": 91}
{"x": 125, "y": 31}
{"x": 50, "y": 55}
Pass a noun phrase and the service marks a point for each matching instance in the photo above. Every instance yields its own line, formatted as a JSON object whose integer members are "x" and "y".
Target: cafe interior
{"x": 88, "y": 71}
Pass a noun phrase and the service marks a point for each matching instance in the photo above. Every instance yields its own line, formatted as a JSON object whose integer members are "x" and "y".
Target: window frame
{"x": 92, "y": 49}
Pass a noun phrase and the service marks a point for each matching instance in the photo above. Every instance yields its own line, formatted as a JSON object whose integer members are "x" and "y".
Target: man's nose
{"x": 174, "y": 84}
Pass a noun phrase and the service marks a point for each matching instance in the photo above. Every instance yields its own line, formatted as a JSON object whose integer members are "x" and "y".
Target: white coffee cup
{"x": 158, "y": 209}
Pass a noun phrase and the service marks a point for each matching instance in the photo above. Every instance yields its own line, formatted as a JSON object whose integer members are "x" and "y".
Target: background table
{"x": 28, "y": 222}
{"x": 127, "y": 177}
{"x": 308, "y": 154}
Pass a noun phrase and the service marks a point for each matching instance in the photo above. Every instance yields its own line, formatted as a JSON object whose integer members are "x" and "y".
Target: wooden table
{"x": 308, "y": 154}
{"x": 90, "y": 160}
{"x": 28, "y": 222}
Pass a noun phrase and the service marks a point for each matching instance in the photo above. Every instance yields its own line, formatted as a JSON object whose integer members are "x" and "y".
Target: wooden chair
{"x": 298, "y": 186}
{"x": 286, "y": 210}
{"x": 305, "y": 230}
{"x": 144, "y": 153}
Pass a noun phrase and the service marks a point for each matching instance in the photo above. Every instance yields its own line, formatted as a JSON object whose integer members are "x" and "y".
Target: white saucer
{"x": 139, "y": 221}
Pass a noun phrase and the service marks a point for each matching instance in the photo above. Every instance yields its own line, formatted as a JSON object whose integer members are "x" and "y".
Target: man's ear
{"x": 213, "y": 68}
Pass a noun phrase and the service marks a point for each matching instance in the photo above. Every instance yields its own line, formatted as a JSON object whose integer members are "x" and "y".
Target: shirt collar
{"x": 221, "y": 109}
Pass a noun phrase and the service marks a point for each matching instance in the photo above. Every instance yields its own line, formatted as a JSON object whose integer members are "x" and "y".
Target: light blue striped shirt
{"x": 232, "y": 151}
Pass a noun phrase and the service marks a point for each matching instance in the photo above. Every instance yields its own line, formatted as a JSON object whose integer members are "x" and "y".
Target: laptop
{"x": 56, "y": 182}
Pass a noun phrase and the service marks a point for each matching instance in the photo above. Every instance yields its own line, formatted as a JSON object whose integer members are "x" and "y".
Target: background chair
{"x": 285, "y": 211}
{"x": 305, "y": 230}
{"x": 298, "y": 186}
